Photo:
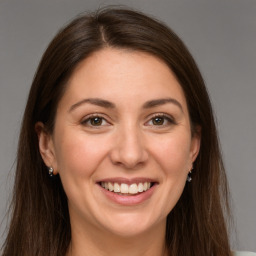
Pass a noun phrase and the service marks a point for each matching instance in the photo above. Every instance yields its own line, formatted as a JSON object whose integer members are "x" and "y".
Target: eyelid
{"x": 86, "y": 118}
{"x": 168, "y": 117}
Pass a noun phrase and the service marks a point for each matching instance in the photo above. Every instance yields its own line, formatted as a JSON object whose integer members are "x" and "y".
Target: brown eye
{"x": 95, "y": 121}
{"x": 158, "y": 120}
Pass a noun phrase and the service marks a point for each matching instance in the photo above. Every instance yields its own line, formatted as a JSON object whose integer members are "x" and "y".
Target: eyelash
{"x": 91, "y": 117}
{"x": 170, "y": 120}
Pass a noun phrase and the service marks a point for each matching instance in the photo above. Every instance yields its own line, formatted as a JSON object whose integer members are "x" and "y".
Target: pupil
{"x": 158, "y": 120}
{"x": 96, "y": 121}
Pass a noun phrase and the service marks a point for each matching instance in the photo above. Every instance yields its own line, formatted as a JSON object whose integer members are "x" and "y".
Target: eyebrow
{"x": 93, "y": 101}
{"x": 159, "y": 102}
{"x": 108, "y": 104}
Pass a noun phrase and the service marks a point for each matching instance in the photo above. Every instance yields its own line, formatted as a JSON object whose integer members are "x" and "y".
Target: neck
{"x": 102, "y": 243}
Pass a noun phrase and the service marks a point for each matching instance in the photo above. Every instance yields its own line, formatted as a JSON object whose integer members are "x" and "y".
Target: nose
{"x": 128, "y": 148}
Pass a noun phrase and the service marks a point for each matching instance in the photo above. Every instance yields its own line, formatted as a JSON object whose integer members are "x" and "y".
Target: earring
{"x": 50, "y": 170}
{"x": 189, "y": 178}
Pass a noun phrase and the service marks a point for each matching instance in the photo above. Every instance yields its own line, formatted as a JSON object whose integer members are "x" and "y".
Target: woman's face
{"x": 122, "y": 143}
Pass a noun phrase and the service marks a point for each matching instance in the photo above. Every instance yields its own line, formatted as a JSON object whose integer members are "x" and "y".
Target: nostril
{"x": 128, "y": 150}
{"x": 129, "y": 160}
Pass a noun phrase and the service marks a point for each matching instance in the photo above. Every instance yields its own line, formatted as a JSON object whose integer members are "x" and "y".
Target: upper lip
{"x": 128, "y": 181}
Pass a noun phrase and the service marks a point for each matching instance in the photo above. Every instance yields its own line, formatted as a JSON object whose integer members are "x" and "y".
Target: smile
{"x": 126, "y": 189}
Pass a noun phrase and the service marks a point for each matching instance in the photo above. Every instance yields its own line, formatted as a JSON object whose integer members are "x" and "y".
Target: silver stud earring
{"x": 50, "y": 169}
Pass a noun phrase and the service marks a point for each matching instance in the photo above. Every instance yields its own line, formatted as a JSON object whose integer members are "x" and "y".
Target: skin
{"x": 128, "y": 143}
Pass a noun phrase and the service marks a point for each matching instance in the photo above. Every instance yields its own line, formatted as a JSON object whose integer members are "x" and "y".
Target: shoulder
{"x": 244, "y": 254}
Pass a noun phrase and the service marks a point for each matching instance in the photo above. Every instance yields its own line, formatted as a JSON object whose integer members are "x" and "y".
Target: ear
{"x": 46, "y": 146}
{"x": 195, "y": 144}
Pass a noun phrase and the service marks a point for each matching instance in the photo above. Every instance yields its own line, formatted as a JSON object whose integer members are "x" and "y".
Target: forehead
{"x": 119, "y": 75}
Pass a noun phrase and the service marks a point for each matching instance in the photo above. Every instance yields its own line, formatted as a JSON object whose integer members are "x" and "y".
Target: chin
{"x": 131, "y": 225}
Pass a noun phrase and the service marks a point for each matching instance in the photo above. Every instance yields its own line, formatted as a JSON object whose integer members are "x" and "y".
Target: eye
{"x": 95, "y": 121}
{"x": 160, "y": 120}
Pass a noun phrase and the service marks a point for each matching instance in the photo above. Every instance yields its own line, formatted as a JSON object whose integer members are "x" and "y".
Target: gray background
{"x": 221, "y": 35}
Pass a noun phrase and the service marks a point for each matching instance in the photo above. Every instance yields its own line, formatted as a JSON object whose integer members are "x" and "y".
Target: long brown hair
{"x": 40, "y": 219}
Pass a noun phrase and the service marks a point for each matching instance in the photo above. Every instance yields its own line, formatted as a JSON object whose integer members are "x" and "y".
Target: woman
{"x": 118, "y": 152}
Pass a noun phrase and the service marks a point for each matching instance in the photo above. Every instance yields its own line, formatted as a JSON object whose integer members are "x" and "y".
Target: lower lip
{"x": 131, "y": 199}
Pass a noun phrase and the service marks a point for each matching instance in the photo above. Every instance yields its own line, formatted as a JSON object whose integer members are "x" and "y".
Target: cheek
{"x": 172, "y": 158}
{"x": 173, "y": 154}
{"x": 79, "y": 155}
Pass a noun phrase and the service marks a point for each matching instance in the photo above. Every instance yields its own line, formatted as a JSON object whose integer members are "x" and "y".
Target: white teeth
{"x": 116, "y": 188}
{"x": 140, "y": 187}
{"x": 145, "y": 186}
{"x": 110, "y": 186}
{"x": 125, "y": 188}
{"x": 133, "y": 189}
